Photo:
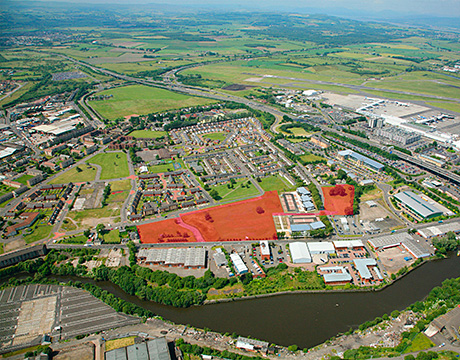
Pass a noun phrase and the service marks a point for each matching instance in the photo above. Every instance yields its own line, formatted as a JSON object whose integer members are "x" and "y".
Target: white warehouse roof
{"x": 324, "y": 247}
{"x": 264, "y": 248}
{"x": 299, "y": 253}
{"x": 240, "y": 267}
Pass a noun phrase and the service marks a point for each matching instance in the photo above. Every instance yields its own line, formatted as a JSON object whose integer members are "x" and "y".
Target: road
{"x": 13, "y": 91}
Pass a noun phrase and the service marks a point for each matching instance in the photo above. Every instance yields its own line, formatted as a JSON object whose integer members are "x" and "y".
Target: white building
{"x": 324, "y": 247}
{"x": 299, "y": 253}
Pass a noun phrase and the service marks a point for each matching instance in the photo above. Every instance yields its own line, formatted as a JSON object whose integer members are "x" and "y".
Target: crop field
{"x": 114, "y": 165}
{"x": 141, "y": 100}
{"x": 87, "y": 173}
{"x": 147, "y": 134}
{"x": 243, "y": 220}
{"x": 338, "y": 199}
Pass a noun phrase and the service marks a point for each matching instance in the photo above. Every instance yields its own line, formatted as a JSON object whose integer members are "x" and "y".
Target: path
{"x": 194, "y": 230}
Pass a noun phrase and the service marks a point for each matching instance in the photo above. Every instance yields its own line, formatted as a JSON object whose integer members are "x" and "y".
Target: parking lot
{"x": 28, "y": 312}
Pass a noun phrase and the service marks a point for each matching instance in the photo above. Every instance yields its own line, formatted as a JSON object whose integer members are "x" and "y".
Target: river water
{"x": 302, "y": 319}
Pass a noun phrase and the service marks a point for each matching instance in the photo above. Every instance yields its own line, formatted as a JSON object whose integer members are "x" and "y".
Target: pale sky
{"x": 449, "y": 8}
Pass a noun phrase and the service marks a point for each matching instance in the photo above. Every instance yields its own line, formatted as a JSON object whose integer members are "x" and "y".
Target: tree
{"x": 293, "y": 348}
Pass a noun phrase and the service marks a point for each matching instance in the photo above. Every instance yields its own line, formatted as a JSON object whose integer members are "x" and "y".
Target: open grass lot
{"x": 92, "y": 217}
{"x": 311, "y": 158}
{"x": 420, "y": 342}
{"x": 114, "y": 165}
{"x": 23, "y": 179}
{"x": 237, "y": 192}
{"x": 275, "y": 183}
{"x": 147, "y": 134}
{"x": 219, "y": 136}
{"x": 39, "y": 232}
{"x": 119, "y": 343}
{"x": 4, "y": 189}
{"x": 299, "y": 132}
{"x": 167, "y": 166}
{"x": 447, "y": 105}
{"x": 112, "y": 237}
{"x": 87, "y": 173}
{"x": 79, "y": 239}
{"x": 120, "y": 185}
{"x": 68, "y": 225}
{"x": 141, "y": 100}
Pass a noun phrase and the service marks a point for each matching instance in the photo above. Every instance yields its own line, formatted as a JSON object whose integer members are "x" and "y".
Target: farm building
{"x": 299, "y": 253}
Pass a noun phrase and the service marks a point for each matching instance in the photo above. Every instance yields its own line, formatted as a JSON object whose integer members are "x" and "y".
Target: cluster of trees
{"x": 106, "y": 194}
{"x": 315, "y": 195}
{"x": 356, "y": 133}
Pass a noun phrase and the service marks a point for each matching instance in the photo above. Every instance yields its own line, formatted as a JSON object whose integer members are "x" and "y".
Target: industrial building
{"x": 364, "y": 267}
{"x": 416, "y": 207}
{"x": 219, "y": 258}
{"x": 336, "y": 275}
{"x": 240, "y": 266}
{"x": 304, "y": 227}
{"x": 252, "y": 344}
{"x": 348, "y": 245}
{"x": 401, "y": 239}
{"x": 156, "y": 349}
{"x": 189, "y": 258}
{"x": 264, "y": 250}
{"x": 299, "y": 253}
{"x": 360, "y": 159}
{"x": 439, "y": 230}
{"x": 323, "y": 247}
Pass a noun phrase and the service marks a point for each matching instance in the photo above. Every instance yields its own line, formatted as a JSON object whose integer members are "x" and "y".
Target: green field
{"x": 39, "y": 232}
{"x": 114, "y": 165}
{"x": 237, "y": 192}
{"x": 23, "y": 179}
{"x": 275, "y": 183}
{"x": 87, "y": 173}
{"x": 120, "y": 185}
{"x": 311, "y": 158}
{"x": 1, "y": 248}
{"x": 420, "y": 342}
{"x": 112, "y": 237}
{"x": 447, "y": 105}
{"x": 79, "y": 239}
{"x": 141, "y": 100}
{"x": 147, "y": 134}
{"x": 299, "y": 132}
{"x": 166, "y": 167}
{"x": 219, "y": 136}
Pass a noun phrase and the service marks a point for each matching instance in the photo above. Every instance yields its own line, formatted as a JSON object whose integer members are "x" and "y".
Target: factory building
{"x": 348, "y": 245}
{"x": 264, "y": 250}
{"x": 402, "y": 239}
{"x": 252, "y": 344}
{"x": 360, "y": 159}
{"x": 416, "y": 207}
{"x": 189, "y": 258}
{"x": 219, "y": 258}
{"x": 299, "y": 253}
{"x": 439, "y": 230}
{"x": 240, "y": 266}
{"x": 336, "y": 275}
{"x": 156, "y": 349}
{"x": 323, "y": 247}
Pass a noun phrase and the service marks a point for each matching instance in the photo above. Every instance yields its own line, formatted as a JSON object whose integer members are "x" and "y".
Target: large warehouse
{"x": 194, "y": 258}
{"x": 323, "y": 247}
{"x": 416, "y": 207}
{"x": 299, "y": 253}
{"x": 402, "y": 239}
{"x": 240, "y": 266}
{"x": 361, "y": 159}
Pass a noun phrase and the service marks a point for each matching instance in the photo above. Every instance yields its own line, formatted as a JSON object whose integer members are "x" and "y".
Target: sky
{"x": 395, "y": 8}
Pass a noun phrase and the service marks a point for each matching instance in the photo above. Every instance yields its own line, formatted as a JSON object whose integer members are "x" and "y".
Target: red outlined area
{"x": 338, "y": 200}
{"x": 244, "y": 220}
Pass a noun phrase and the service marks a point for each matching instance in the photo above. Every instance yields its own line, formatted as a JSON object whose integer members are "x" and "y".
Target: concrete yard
{"x": 28, "y": 312}
{"x": 393, "y": 258}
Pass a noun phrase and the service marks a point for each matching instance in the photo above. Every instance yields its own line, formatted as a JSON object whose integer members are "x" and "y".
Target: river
{"x": 302, "y": 319}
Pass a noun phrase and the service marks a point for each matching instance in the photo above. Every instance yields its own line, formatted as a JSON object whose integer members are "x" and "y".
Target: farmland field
{"x": 141, "y": 100}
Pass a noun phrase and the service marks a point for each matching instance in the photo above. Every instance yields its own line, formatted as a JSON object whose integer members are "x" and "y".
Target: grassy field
{"x": 112, "y": 237}
{"x": 141, "y": 100}
{"x": 299, "y": 132}
{"x": 447, "y": 105}
{"x": 311, "y": 158}
{"x": 147, "y": 134}
{"x": 119, "y": 343}
{"x": 166, "y": 167}
{"x": 4, "y": 189}
{"x": 87, "y": 173}
{"x": 219, "y": 136}
{"x": 68, "y": 225}
{"x": 39, "y": 232}
{"x": 23, "y": 179}
{"x": 120, "y": 185}
{"x": 79, "y": 239}
{"x": 420, "y": 342}
{"x": 275, "y": 183}
{"x": 1, "y": 248}
{"x": 114, "y": 165}
{"x": 237, "y": 192}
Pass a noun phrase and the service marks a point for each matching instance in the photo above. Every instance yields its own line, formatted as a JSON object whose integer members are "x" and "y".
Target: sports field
{"x": 244, "y": 220}
{"x": 338, "y": 200}
{"x": 139, "y": 99}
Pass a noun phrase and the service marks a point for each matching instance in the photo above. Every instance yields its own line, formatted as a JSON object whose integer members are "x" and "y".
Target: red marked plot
{"x": 338, "y": 200}
{"x": 166, "y": 231}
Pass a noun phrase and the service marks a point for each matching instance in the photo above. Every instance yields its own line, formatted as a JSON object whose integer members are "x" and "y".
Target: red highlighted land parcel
{"x": 244, "y": 220}
{"x": 338, "y": 200}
